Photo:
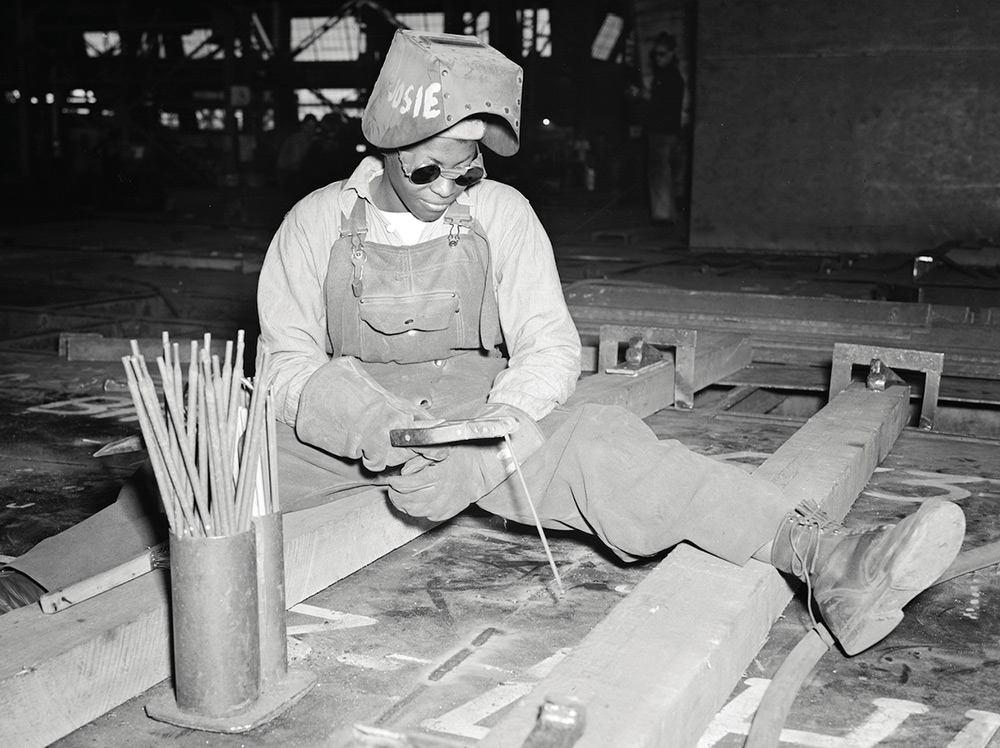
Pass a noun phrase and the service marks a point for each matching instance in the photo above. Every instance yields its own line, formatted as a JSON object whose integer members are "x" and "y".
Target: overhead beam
{"x": 662, "y": 664}
{"x": 58, "y": 672}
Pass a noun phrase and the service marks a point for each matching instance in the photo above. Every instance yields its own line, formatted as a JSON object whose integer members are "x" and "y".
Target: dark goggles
{"x": 427, "y": 174}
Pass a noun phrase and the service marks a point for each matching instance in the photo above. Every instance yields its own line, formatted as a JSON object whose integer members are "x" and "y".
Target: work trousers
{"x": 601, "y": 471}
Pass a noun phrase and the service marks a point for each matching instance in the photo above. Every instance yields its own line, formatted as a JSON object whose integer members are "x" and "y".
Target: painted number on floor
{"x": 887, "y": 717}
{"x": 94, "y": 406}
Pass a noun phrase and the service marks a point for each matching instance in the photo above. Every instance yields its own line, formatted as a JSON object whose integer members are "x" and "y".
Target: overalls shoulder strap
{"x": 355, "y": 229}
{"x": 460, "y": 216}
{"x": 357, "y": 222}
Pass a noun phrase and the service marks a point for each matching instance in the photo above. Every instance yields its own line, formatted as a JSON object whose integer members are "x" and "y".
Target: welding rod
{"x": 534, "y": 514}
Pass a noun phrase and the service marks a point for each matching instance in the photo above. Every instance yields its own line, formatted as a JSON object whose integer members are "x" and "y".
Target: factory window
{"x": 430, "y": 22}
{"x": 260, "y": 40}
{"x": 536, "y": 32}
{"x": 81, "y": 96}
{"x": 150, "y": 45}
{"x": 200, "y": 44}
{"x": 326, "y": 39}
{"x": 78, "y": 101}
{"x": 210, "y": 119}
{"x": 101, "y": 43}
{"x": 607, "y": 37}
{"x": 170, "y": 120}
{"x": 320, "y": 102}
{"x": 477, "y": 24}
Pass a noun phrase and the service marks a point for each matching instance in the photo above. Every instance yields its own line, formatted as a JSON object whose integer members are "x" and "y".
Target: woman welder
{"x": 417, "y": 290}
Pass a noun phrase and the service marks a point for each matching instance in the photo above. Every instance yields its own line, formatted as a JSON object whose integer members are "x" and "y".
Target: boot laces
{"x": 805, "y": 545}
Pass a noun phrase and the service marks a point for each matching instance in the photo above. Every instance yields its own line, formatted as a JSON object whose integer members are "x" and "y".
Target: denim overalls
{"x": 423, "y": 321}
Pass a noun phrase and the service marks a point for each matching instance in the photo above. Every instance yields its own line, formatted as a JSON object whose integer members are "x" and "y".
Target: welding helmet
{"x": 430, "y": 83}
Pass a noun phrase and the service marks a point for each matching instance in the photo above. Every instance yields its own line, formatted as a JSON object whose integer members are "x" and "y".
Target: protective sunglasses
{"x": 427, "y": 174}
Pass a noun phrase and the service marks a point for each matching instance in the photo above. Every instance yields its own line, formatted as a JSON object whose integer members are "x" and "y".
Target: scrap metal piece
{"x": 638, "y": 356}
{"x": 121, "y": 446}
{"x": 877, "y": 375}
{"x": 881, "y": 376}
{"x": 640, "y": 353}
{"x": 560, "y": 724}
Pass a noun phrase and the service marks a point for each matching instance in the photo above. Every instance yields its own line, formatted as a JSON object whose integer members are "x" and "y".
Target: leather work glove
{"x": 440, "y": 489}
{"x": 345, "y": 412}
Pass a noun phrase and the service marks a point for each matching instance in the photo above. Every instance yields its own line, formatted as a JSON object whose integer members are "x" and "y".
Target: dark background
{"x": 816, "y": 126}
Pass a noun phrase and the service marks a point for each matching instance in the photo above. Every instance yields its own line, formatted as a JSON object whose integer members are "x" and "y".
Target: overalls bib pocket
{"x": 409, "y": 329}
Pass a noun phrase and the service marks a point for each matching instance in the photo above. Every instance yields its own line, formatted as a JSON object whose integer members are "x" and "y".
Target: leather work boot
{"x": 861, "y": 579}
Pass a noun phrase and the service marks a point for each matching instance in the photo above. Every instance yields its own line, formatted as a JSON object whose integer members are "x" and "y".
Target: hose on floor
{"x": 971, "y": 560}
{"x": 772, "y": 712}
{"x": 774, "y": 707}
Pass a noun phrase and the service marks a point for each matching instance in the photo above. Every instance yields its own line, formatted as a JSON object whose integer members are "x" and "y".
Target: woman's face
{"x": 427, "y": 202}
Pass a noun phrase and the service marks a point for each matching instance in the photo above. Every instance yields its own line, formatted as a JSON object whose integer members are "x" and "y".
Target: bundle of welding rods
{"x": 212, "y": 448}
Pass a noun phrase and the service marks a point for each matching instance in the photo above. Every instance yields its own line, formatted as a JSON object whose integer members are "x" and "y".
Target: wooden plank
{"x": 135, "y": 305}
{"x": 24, "y": 323}
{"x": 331, "y": 541}
{"x": 96, "y": 347}
{"x": 58, "y": 672}
{"x": 197, "y": 262}
{"x": 661, "y": 665}
{"x": 21, "y": 321}
{"x": 647, "y": 392}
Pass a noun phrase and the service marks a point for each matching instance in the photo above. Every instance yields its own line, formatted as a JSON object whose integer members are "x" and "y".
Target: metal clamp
{"x": 931, "y": 364}
{"x": 682, "y": 341}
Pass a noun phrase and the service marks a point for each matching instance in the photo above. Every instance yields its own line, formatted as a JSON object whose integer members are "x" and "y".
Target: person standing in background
{"x": 664, "y": 125}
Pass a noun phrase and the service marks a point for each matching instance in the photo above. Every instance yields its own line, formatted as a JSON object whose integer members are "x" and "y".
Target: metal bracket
{"x": 682, "y": 341}
{"x": 931, "y": 364}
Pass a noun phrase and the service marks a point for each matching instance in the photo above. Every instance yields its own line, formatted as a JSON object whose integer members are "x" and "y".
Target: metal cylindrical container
{"x": 271, "y": 598}
{"x": 215, "y": 623}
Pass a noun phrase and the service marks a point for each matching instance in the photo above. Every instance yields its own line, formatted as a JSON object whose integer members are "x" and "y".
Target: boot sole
{"x": 932, "y": 539}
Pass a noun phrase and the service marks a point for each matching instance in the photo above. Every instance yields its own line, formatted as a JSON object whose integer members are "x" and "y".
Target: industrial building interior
{"x": 833, "y": 200}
